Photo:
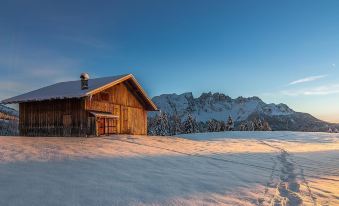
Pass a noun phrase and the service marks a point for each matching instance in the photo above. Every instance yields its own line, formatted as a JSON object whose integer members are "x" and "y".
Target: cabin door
{"x": 101, "y": 126}
{"x": 124, "y": 120}
{"x": 111, "y": 126}
{"x": 107, "y": 126}
{"x": 67, "y": 125}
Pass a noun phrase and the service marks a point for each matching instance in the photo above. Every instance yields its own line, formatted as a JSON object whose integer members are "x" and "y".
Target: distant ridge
{"x": 219, "y": 106}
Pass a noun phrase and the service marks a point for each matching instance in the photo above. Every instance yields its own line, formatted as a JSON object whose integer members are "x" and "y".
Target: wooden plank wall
{"x": 70, "y": 117}
{"x": 121, "y": 101}
{"x": 49, "y": 118}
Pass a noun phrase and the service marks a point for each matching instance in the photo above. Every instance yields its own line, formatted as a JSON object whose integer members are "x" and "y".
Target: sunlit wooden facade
{"x": 119, "y": 100}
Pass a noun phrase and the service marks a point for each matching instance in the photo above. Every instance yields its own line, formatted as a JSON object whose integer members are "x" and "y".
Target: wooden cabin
{"x": 87, "y": 107}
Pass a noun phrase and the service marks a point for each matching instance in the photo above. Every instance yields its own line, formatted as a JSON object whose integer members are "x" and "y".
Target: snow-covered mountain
{"x": 219, "y": 106}
{"x": 8, "y": 121}
{"x": 8, "y": 111}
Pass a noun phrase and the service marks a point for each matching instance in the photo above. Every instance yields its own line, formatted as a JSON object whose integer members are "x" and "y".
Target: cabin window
{"x": 67, "y": 120}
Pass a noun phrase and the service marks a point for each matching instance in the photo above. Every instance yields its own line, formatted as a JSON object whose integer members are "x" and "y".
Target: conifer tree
{"x": 210, "y": 126}
{"x": 242, "y": 126}
{"x": 266, "y": 126}
{"x": 230, "y": 124}
{"x": 251, "y": 126}
{"x": 213, "y": 125}
{"x": 190, "y": 125}
{"x": 162, "y": 124}
{"x": 151, "y": 124}
{"x": 222, "y": 126}
{"x": 260, "y": 125}
{"x": 257, "y": 125}
{"x": 201, "y": 127}
{"x": 175, "y": 125}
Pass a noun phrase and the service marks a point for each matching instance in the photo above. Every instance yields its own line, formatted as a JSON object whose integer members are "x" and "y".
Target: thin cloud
{"x": 321, "y": 90}
{"x": 307, "y": 79}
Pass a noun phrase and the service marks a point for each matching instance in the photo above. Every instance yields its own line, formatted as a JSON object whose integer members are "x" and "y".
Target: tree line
{"x": 163, "y": 124}
{"x": 8, "y": 124}
{"x": 5, "y": 116}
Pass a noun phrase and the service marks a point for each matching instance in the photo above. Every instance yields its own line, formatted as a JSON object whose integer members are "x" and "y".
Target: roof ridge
{"x": 92, "y": 78}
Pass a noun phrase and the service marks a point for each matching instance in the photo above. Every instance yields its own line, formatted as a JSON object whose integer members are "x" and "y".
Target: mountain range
{"x": 219, "y": 106}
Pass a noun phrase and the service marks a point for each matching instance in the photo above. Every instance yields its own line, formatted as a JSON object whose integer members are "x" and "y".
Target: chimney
{"x": 84, "y": 81}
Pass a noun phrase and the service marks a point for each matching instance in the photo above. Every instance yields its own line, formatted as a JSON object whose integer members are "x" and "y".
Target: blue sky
{"x": 281, "y": 51}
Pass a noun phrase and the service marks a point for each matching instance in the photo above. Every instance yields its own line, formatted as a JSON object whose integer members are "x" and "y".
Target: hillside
{"x": 8, "y": 121}
{"x": 219, "y": 106}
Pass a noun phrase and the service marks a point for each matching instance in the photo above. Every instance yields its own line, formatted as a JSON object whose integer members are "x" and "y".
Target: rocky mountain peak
{"x": 216, "y": 106}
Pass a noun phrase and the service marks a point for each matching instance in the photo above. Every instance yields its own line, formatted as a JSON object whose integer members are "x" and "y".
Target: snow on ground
{"x": 228, "y": 168}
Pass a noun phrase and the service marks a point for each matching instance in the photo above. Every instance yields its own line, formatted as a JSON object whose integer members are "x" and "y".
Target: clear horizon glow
{"x": 281, "y": 51}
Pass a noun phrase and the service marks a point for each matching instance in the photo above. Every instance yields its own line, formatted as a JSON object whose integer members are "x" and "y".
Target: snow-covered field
{"x": 228, "y": 168}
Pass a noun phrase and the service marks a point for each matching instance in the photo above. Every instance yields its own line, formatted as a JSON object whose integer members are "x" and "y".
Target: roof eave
{"x": 8, "y": 101}
{"x": 153, "y": 106}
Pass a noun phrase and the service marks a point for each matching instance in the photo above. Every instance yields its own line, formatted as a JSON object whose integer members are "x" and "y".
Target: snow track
{"x": 288, "y": 189}
{"x": 290, "y": 175}
{"x": 288, "y": 180}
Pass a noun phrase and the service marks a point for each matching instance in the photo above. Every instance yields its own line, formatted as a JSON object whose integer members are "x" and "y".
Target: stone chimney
{"x": 84, "y": 80}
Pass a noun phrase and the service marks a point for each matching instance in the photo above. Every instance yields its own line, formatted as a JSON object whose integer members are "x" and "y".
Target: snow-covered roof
{"x": 72, "y": 89}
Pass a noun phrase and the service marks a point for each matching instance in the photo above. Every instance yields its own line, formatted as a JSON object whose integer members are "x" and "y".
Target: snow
{"x": 227, "y": 168}
{"x": 9, "y": 111}
{"x": 217, "y": 106}
{"x": 70, "y": 89}
{"x": 304, "y": 137}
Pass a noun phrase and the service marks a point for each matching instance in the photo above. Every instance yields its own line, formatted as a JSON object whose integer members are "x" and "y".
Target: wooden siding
{"x": 53, "y": 118}
{"x": 71, "y": 117}
{"x": 121, "y": 101}
{"x": 119, "y": 94}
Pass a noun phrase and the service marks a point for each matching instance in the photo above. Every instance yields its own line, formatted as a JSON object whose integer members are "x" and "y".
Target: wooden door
{"x": 91, "y": 124}
{"x": 116, "y": 111}
{"x": 124, "y": 120}
{"x": 101, "y": 126}
{"x": 67, "y": 125}
{"x": 111, "y": 126}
